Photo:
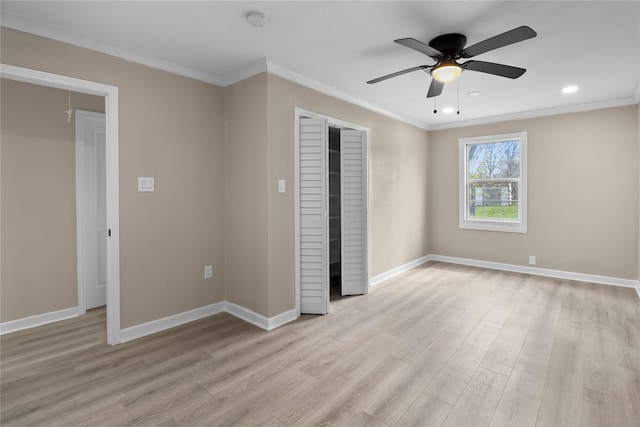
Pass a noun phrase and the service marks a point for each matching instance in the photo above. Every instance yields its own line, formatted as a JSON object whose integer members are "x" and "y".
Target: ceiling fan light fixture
{"x": 446, "y": 72}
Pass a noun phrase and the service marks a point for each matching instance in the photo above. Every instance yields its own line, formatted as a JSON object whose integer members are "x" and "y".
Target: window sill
{"x": 501, "y": 226}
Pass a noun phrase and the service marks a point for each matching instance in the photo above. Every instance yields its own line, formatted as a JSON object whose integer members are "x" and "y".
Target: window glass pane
{"x": 493, "y": 160}
{"x": 493, "y": 200}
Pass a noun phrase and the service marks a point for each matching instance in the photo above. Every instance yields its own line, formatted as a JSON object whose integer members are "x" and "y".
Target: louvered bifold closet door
{"x": 353, "y": 193}
{"x": 313, "y": 217}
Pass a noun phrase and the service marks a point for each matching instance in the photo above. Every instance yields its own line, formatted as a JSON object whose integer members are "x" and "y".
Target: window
{"x": 493, "y": 183}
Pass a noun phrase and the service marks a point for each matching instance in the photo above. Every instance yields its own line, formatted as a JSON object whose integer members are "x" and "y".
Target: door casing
{"x": 110, "y": 93}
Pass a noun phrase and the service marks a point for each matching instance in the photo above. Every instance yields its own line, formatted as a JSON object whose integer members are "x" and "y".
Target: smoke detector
{"x": 256, "y": 19}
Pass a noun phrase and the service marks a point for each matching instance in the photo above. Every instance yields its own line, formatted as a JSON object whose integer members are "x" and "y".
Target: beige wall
{"x": 192, "y": 136}
{"x": 246, "y": 193}
{"x": 38, "y": 273}
{"x": 260, "y": 223}
{"x": 398, "y": 191}
{"x": 171, "y": 127}
{"x": 217, "y": 153}
{"x": 582, "y": 194}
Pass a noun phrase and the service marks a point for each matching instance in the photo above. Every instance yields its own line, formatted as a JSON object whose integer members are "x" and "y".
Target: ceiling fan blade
{"x": 495, "y": 69}
{"x": 399, "y": 73}
{"x": 513, "y": 36}
{"x": 420, "y": 47}
{"x": 435, "y": 88}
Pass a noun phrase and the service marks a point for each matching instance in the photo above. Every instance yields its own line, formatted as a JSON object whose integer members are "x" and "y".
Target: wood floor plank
{"x": 244, "y": 404}
{"x": 391, "y": 402}
{"x": 600, "y": 409}
{"x": 346, "y": 407}
{"x": 425, "y": 411}
{"x": 478, "y": 401}
{"x": 541, "y": 334}
{"x": 454, "y": 376}
{"x": 561, "y": 402}
{"x": 504, "y": 351}
{"x": 440, "y": 344}
{"x": 601, "y": 344}
{"x": 520, "y": 401}
{"x": 631, "y": 393}
{"x": 314, "y": 399}
{"x": 572, "y": 313}
{"x": 102, "y": 415}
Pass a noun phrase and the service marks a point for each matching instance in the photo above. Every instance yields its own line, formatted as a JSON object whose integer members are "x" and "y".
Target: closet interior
{"x": 334, "y": 214}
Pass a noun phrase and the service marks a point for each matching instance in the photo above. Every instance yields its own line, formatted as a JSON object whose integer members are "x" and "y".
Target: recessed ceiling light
{"x": 256, "y": 19}
{"x": 473, "y": 93}
{"x": 448, "y": 110}
{"x": 569, "y": 89}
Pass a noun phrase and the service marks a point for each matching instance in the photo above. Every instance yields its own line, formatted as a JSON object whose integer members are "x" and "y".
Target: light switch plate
{"x": 282, "y": 186}
{"x": 145, "y": 184}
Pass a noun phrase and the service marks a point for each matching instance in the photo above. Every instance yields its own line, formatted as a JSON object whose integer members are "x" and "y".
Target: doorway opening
{"x": 110, "y": 94}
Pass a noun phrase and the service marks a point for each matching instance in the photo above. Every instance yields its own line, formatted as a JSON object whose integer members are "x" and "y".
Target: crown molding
{"x": 553, "y": 111}
{"x": 262, "y": 65}
{"x": 265, "y": 65}
{"x": 253, "y": 69}
{"x": 42, "y": 29}
{"x": 302, "y": 80}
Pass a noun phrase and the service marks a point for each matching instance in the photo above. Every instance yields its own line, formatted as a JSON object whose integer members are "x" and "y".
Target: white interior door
{"x": 313, "y": 221}
{"x": 91, "y": 194}
{"x": 353, "y": 195}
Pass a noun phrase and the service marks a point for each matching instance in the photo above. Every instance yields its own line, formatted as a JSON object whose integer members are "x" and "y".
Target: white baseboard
{"x": 158, "y": 325}
{"x": 249, "y": 316}
{"x": 269, "y": 323}
{"x": 558, "y": 274}
{"x": 39, "y": 320}
{"x": 148, "y": 328}
{"x": 282, "y": 318}
{"x": 398, "y": 270}
{"x": 266, "y": 323}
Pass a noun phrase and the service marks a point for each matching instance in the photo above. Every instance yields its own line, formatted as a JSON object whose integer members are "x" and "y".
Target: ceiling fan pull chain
{"x": 70, "y": 110}
{"x": 435, "y": 104}
{"x": 458, "y": 87}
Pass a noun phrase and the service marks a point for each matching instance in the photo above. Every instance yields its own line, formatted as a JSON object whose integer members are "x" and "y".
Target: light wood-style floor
{"x": 441, "y": 345}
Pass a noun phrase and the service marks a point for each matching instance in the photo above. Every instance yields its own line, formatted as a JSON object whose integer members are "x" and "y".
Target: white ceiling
{"x": 337, "y": 46}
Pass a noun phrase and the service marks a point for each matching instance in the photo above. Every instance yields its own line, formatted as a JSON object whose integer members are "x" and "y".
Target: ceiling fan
{"x": 447, "y": 49}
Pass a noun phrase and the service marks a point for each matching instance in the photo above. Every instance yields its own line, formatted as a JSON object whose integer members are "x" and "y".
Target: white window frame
{"x": 511, "y": 226}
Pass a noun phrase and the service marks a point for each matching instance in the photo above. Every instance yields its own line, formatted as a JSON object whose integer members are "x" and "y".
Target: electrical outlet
{"x": 532, "y": 260}
{"x": 208, "y": 271}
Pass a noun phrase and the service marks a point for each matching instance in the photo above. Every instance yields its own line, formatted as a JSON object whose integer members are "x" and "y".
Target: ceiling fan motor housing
{"x": 449, "y": 44}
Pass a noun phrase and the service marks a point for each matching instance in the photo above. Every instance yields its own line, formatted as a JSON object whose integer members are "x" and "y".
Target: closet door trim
{"x": 298, "y": 114}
